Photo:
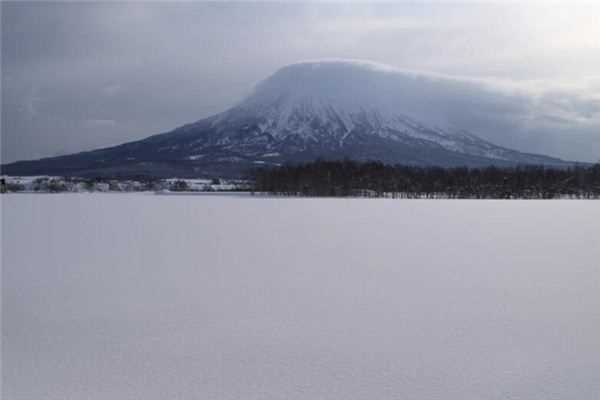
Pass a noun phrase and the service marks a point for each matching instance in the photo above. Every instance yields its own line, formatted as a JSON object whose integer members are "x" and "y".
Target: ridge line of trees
{"x": 375, "y": 179}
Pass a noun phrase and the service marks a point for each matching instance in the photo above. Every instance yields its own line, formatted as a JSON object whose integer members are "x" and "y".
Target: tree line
{"x": 375, "y": 179}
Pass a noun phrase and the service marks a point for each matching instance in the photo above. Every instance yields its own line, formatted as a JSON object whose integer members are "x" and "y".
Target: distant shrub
{"x": 55, "y": 186}
{"x": 179, "y": 186}
{"x": 15, "y": 187}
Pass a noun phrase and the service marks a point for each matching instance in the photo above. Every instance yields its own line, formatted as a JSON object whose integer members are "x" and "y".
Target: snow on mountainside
{"x": 318, "y": 101}
{"x": 328, "y": 109}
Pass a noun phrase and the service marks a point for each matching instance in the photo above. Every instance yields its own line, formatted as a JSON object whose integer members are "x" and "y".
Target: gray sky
{"x": 77, "y": 76}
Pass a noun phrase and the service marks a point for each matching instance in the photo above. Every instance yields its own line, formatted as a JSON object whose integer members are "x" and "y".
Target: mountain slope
{"x": 326, "y": 109}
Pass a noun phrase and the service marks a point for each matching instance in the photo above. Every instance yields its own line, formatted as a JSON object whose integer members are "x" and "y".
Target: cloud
{"x": 100, "y": 123}
{"x": 111, "y": 90}
{"x": 154, "y": 66}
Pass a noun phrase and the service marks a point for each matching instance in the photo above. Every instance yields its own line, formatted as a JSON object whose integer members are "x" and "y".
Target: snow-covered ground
{"x": 137, "y": 296}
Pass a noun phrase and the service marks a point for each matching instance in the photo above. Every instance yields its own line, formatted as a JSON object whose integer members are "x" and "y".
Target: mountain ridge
{"x": 315, "y": 109}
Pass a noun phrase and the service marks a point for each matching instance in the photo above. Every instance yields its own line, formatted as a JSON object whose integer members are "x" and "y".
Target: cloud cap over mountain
{"x": 340, "y": 109}
{"x": 87, "y": 75}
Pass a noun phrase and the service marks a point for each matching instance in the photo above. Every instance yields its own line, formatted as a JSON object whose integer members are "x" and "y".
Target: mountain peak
{"x": 331, "y": 76}
{"x": 329, "y": 109}
{"x": 340, "y": 63}
{"x": 346, "y": 86}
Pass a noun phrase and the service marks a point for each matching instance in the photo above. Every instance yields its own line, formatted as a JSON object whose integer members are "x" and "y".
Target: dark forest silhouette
{"x": 375, "y": 179}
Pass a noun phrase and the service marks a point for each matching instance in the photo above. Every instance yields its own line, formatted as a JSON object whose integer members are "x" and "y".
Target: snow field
{"x": 137, "y": 296}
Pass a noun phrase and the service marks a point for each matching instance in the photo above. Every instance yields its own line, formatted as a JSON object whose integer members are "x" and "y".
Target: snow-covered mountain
{"x": 322, "y": 109}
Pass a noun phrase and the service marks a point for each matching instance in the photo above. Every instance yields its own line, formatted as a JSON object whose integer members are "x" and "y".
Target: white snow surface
{"x": 137, "y": 296}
